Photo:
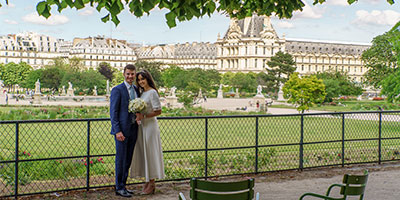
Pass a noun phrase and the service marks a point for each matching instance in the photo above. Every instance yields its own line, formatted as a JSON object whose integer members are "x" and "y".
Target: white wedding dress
{"x": 147, "y": 159}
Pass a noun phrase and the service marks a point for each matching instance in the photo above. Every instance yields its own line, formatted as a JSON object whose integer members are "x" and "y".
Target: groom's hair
{"x": 130, "y": 67}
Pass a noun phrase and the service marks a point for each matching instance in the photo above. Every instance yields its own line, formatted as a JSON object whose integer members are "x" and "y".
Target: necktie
{"x": 131, "y": 92}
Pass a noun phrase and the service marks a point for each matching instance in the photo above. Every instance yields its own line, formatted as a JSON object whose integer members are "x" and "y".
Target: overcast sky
{"x": 334, "y": 20}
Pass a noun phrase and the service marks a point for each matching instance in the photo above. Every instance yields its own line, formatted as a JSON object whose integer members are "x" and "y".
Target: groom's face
{"x": 129, "y": 76}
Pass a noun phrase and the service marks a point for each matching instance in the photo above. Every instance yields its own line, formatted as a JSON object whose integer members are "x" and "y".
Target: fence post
{"x": 343, "y": 137}
{"x": 16, "y": 159}
{"x": 88, "y": 157}
{"x": 301, "y": 142}
{"x": 380, "y": 138}
{"x": 256, "y": 161}
{"x": 206, "y": 150}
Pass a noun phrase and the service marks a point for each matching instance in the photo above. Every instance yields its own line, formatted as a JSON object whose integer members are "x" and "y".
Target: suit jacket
{"x": 121, "y": 119}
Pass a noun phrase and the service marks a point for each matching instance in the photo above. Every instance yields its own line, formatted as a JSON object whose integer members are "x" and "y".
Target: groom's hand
{"x": 120, "y": 136}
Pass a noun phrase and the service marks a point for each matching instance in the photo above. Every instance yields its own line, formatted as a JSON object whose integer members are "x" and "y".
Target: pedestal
{"x": 70, "y": 92}
{"x": 37, "y": 99}
{"x": 171, "y": 101}
{"x": 261, "y": 102}
{"x": 220, "y": 94}
{"x": 280, "y": 96}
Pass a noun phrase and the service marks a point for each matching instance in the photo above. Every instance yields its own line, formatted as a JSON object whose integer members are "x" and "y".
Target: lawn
{"x": 184, "y": 143}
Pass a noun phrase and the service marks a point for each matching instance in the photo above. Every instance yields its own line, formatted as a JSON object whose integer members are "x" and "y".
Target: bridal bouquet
{"x": 137, "y": 106}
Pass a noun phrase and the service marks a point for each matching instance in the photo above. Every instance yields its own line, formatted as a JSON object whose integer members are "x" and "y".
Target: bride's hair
{"x": 146, "y": 74}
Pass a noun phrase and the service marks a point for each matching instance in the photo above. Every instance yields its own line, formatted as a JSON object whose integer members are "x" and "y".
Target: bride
{"x": 147, "y": 159}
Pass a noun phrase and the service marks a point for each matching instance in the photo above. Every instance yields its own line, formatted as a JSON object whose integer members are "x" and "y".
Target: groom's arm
{"x": 115, "y": 103}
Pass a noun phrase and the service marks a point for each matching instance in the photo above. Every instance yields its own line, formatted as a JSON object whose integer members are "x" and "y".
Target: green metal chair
{"x": 210, "y": 190}
{"x": 353, "y": 185}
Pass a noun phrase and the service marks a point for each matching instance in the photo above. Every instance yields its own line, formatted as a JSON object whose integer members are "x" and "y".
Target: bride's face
{"x": 142, "y": 81}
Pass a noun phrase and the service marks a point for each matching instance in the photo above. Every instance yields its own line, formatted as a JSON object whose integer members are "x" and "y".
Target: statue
{"x": 220, "y": 94}
{"x": 259, "y": 90}
{"x": 70, "y": 91}
{"x": 95, "y": 91}
{"x": 172, "y": 92}
{"x": 37, "y": 87}
{"x": 69, "y": 85}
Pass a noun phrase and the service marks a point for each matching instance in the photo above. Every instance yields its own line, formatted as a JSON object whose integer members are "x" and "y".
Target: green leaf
{"x": 351, "y": 1}
{"x": 105, "y": 18}
{"x": 40, "y": 7}
{"x": 100, "y": 6}
{"x": 115, "y": 20}
{"x": 148, "y": 5}
{"x": 69, "y": 2}
{"x": 170, "y": 19}
{"x": 79, "y": 4}
{"x": 115, "y": 9}
{"x": 62, "y": 5}
{"x": 46, "y": 12}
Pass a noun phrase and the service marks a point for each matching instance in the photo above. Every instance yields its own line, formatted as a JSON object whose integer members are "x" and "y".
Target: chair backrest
{"x": 354, "y": 184}
{"x": 210, "y": 190}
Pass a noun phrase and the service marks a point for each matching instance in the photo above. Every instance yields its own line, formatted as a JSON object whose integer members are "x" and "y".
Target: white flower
{"x": 137, "y": 105}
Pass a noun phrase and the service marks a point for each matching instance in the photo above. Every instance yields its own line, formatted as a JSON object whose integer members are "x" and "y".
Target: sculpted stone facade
{"x": 249, "y": 44}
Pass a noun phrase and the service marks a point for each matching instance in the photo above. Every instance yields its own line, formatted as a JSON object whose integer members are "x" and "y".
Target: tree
{"x": 174, "y": 76}
{"x": 338, "y": 84}
{"x": 379, "y": 59}
{"x": 280, "y": 67}
{"x": 106, "y": 70}
{"x": 244, "y": 81}
{"x": 304, "y": 92}
{"x": 51, "y": 78}
{"x": 13, "y": 74}
{"x": 181, "y": 10}
{"x": 31, "y": 79}
{"x": 154, "y": 68}
{"x": 391, "y": 87}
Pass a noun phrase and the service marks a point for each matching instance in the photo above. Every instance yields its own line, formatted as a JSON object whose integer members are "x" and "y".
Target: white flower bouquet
{"x": 137, "y": 106}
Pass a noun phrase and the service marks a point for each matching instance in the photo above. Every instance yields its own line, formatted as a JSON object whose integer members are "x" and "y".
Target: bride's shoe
{"x": 150, "y": 189}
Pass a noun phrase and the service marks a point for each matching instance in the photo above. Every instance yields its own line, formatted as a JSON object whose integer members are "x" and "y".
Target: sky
{"x": 334, "y": 20}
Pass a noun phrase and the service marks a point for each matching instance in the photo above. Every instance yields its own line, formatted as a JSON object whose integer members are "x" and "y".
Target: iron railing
{"x": 44, "y": 156}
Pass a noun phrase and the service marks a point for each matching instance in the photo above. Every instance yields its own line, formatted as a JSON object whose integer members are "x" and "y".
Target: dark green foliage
{"x": 280, "y": 67}
{"x": 154, "y": 68}
{"x": 106, "y": 70}
{"x": 338, "y": 84}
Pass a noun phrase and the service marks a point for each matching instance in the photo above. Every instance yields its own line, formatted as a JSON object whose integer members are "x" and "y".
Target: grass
{"x": 46, "y": 140}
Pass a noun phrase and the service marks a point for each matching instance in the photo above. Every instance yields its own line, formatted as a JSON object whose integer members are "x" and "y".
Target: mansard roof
{"x": 325, "y": 47}
{"x": 196, "y": 50}
{"x": 159, "y": 51}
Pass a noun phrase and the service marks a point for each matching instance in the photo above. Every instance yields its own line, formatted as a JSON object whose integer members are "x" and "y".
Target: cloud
{"x": 314, "y": 12}
{"x": 53, "y": 20}
{"x": 7, "y": 21}
{"x": 284, "y": 24}
{"x": 86, "y": 12}
{"x": 337, "y": 2}
{"x": 10, "y": 5}
{"x": 374, "y": 2}
{"x": 376, "y": 17}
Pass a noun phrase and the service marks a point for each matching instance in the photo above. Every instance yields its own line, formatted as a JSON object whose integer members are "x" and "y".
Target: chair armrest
{"x": 316, "y": 195}
{"x": 258, "y": 196}
{"x": 330, "y": 188}
{"x": 181, "y": 196}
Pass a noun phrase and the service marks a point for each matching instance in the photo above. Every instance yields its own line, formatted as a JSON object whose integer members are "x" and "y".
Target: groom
{"x": 123, "y": 129}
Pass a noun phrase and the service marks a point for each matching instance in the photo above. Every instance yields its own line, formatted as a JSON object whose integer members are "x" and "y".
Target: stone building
{"x": 249, "y": 44}
{"x": 35, "y": 49}
{"x": 94, "y": 50}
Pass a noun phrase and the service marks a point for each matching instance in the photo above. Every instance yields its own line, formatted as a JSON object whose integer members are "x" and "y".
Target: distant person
{"x": 205, "y": 98}
{"x": 124, "y": 128}
{"x": 6, "y": 97}
{"x": 148, "y": 158}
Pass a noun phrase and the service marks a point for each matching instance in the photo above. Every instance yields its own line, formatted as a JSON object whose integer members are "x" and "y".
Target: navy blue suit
{"x": 121, "y": 121}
